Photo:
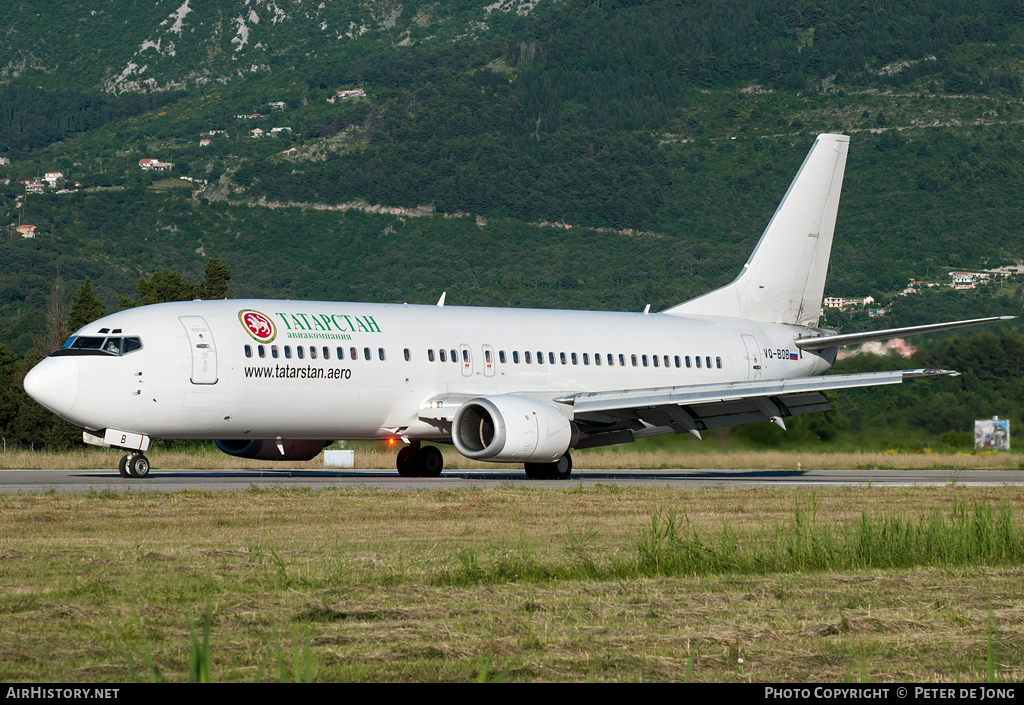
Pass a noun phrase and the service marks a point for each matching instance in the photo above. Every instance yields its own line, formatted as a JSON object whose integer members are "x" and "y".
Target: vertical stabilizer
{"x": 784, "y": 279}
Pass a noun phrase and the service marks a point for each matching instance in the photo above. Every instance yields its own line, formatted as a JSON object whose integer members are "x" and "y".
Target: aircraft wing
{"x": 610, "y": 417}
{"x": 694, "y": 408}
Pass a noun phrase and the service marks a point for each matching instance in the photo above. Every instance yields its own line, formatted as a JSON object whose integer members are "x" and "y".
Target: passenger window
{"x": 273, "y": 351}
{"x": 455, "y": 357}
{"x": 708, "y": 360}
{"x": 633, "y": 359}
{"x": 501, "y": 357}
{"x": 718, "y": 362}
{"x": 677, "y": 361}
{"x": 622, "y": 360}
{"x": 687, "y": 361}
{"x": 288, "y": 352}
{"x": 300, "y": 351}
{"x": 465, "y": 355}
{"x": 611, "y": 360}
{"x": 666, "y": 361}
{"x": 487, "y": 356}
{"x": 586, "y": 358}
{"x": 655, "y": 360}
{"x": 515, "y": 356}
{"x": 132, "y": 344}
{"x": 352, "y": 354}
{"x": 248, "y": 351}
{"x": 327, "y": 353}
{"x": 407, "y": 355}
{"x": 341, "y": 353}
{"x": 442, "y": 354}
{"x": 261, "y": 351}
{"x": 698, "y": 362}
{"x": 540, "y": 358}
{"x": 597, "y": 359}
{"x": 551, "y": 358}
{"x": 645, "y": 360}
{"x": 430, "y": 355}
{"x": 527, "y": 355}
{"x": 366, "y": 353}
{"x": 312, "y": 352}
{"x": 561, "y": 357}
{"x": 381, "y": 354}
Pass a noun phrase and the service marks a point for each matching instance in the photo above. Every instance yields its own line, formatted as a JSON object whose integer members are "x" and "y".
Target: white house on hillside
{"x": 154, "y": 165}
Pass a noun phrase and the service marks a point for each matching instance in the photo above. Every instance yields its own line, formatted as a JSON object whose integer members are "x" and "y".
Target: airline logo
{"x": 258, "y": 325}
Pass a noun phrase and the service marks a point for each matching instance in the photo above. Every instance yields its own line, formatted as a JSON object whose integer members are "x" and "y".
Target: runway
{"x": 30, "y": 481}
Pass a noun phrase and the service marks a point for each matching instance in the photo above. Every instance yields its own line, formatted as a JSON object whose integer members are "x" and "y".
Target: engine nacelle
{"x": 510, "y": 429}
{"x": 273, "y": 450}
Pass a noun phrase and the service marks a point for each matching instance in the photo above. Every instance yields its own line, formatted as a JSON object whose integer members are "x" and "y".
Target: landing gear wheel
{"x": 536, "y": 471}
{"x": 429, "y": 462}
{"x": 406, "y": 461}
{"x": 561, "y": 468}
{"x": 138, "y": 465}
{"x": 558, "y": 470}
{"x": 122, "y": 466}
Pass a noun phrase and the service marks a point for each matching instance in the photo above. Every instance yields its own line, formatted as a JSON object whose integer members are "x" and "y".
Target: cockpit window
{"x": 83, "y": 342}
{"x": 96, "y": 345}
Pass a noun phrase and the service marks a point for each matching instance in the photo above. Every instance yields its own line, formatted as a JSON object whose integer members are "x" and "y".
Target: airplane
{"x": 281, "y": 380}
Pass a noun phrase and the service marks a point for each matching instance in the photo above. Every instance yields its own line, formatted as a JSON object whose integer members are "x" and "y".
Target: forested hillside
{"x": 594, "y": 154}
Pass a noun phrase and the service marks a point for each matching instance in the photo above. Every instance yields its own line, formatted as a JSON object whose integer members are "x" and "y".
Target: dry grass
{"x": 96, "y": 585}
{"x": 621, "y": 457}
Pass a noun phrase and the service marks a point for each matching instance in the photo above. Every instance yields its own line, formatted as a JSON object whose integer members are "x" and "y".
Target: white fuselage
{"x": 154, "y": 391}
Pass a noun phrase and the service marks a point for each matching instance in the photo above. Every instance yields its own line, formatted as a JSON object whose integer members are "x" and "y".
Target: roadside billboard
{"x": 992, "y": 434}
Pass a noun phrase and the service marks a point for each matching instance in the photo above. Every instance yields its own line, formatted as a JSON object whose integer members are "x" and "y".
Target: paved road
{"x": 173, "y": 480}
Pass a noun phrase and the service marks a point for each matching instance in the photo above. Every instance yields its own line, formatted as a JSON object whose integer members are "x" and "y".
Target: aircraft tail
{"x": 784, "y": 279}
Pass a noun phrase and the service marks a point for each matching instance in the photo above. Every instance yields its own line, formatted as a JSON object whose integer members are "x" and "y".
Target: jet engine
{"x": 510, "y": 429}
{"x": 273, "y": 450}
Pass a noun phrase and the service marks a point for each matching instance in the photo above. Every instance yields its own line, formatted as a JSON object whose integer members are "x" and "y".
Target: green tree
{"x": 163, "y": 287}
{"x": 215, "y": 285}
{"x": 85, "y": 307}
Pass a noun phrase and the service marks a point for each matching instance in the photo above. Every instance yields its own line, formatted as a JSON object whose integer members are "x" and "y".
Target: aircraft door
{"x": 753, "y": 357}
{"x": 467, "y": 360}
{"x": 488, "y": 361}
{"x": 203, "y": 350}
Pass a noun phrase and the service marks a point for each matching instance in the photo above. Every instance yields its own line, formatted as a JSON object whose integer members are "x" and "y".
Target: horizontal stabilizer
{"x": 836, "y": 341}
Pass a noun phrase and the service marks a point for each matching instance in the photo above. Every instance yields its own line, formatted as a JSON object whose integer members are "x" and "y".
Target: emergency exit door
{"x": 203, "y": 350}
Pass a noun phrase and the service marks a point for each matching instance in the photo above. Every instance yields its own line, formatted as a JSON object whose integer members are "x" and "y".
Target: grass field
{"x": 514, "y": 583}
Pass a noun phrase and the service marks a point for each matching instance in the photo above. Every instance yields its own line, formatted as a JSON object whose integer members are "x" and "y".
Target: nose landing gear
{"x": 134, "y": 465}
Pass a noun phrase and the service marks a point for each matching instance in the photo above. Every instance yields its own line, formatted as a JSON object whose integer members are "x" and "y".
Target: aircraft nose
{"x": 54, "y": 383}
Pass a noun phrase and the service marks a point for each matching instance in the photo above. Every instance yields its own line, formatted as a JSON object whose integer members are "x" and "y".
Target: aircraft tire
{"x": 406, "y": 462}
{"x": 429, "y": 462}
{"x": 138, "y": 466}
{"x": 561, "y": 469}
{"x": 122, "y": 466}
{"x": 536, "y": 471}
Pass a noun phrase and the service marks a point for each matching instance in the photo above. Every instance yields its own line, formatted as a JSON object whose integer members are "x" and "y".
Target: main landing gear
{"x": 417, "y": 461}
{"x": 558, "y": 470}
{"x": 134, "y": 465}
